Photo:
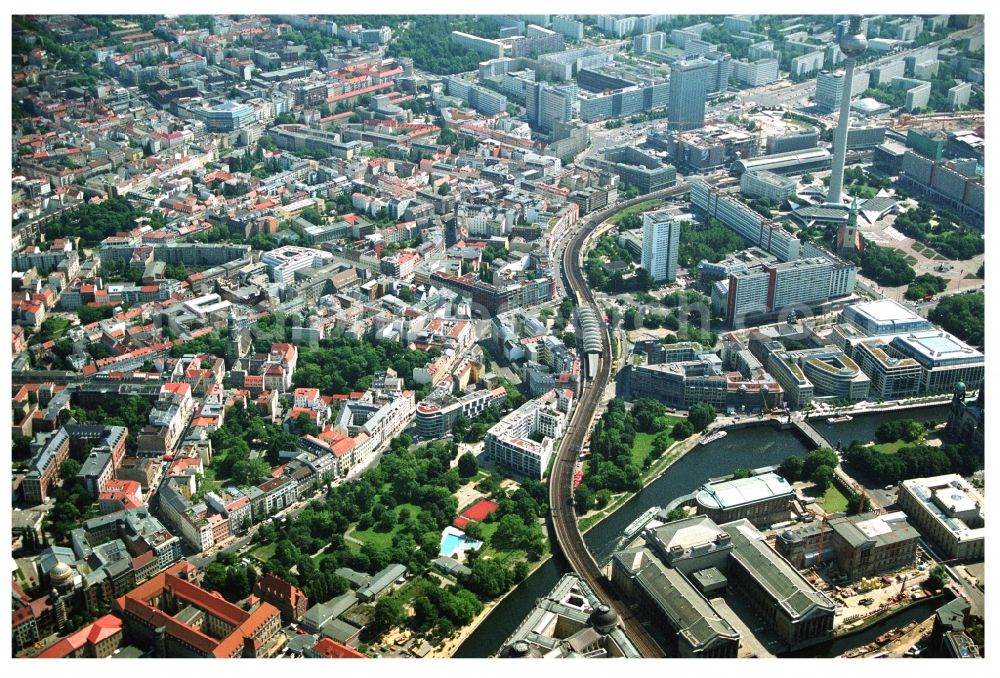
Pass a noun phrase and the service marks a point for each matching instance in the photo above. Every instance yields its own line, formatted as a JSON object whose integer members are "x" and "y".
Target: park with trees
{"x": 341, "y": 364}
{"x": 886, "y": 266}
{"x": 93, "y": 222}
{"x": 710, "y": 241}
{"x": 817, "y": 466}
{"x": 964, "y": 315}
{"x": 941, "y": 232}
{"x": 625, "y": 444}
{"x": 897, "y": 462}
{"x": 395, "y": 512}
{"x": 427, "y": 40}
{"x": 926, "y": 284}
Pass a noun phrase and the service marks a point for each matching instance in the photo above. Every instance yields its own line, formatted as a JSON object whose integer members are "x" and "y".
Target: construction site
{"x": 846, "y": 572}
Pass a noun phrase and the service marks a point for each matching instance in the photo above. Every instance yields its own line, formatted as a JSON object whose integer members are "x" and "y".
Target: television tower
{"x": 853, "y": 43}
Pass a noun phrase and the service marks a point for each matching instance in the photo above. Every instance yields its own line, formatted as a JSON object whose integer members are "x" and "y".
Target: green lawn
{"x": 634, "y": 209}
{"x": 488, "y": 530}
{"x": 643, "y": 443}
{"x": 589, "y": 521}
{"x": 383, "y": 539}
{"x": 641, "y": 447}
{"x": 53, "y": 328}
{"x": 893, "y": 447}
{"x": 264, "y": 553}
{"x": 834, "y": 500}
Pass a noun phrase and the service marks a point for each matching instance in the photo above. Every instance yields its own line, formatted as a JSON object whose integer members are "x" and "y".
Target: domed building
{"x": 967, "y": 418}
{"x": 603, "y": 618}
{"x": 571, "y": 621}
{"x": 57, "y": 565}
{"x": 870, "y": 107}
{"x": 61, "y": 577}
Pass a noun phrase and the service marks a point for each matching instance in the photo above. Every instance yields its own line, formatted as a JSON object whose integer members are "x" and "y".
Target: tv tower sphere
{"x": 853, "y": 43}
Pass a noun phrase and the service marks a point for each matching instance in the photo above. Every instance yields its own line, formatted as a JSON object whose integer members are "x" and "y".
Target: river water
{"x": 742, "y": 448}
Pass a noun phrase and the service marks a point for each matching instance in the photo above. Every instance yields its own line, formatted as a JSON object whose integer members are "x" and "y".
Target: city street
{"x": 255, "y": 255}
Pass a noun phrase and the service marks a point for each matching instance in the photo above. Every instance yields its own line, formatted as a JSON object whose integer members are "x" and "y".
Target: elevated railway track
{"x": 563, "y": 514}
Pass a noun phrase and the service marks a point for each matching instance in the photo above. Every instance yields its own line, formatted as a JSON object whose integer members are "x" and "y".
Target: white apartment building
{"x": 523, "y": 440}
{"x": 661, "y": 231}
{"x": 283, "y": 262}
{"x": 949, "y": 511}
{"x": 768, "y": 185}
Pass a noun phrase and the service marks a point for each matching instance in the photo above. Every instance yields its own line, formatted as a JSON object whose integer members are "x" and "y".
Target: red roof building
{"x": 290, "y": 599}
{"x": 98, "y": 640}
{"x": 328, "y": 648}
{"x": 166, "y": 601}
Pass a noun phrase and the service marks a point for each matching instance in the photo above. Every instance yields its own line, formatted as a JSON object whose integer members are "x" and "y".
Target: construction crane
{"x": 902, "y": 588}
{"x": 763, "y": 396}
{"x": 822, "y": 536}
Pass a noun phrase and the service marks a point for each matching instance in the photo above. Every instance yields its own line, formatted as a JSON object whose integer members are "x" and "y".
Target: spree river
{"x": 742, "y": 448}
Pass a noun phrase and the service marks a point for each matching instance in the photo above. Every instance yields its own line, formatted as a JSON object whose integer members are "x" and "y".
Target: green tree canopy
{"x": 964, "y": 315}
{"x": 468, "y": 466}
{"x": 701, "y": 415}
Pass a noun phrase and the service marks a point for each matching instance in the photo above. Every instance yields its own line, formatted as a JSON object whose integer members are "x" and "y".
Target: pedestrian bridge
{"x": 810, "y": 433}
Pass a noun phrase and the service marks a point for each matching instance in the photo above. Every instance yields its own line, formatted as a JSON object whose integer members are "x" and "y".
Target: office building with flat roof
{"x": 805, "y": 374}
{"x": 955, "y": 184}
{"x": 635, "y": 167}
{"x": 564, "y": 65}
{"x": 483, "y": 100}
{"x": 683, "y": 383}
{"x": 689, "y": 82}
{"x": 227, "y": 117}
{"x": 830, "y": 88}
{"x": 523, "y": 439}
{"x": 547, "y": 105}
{"x": 764, "y": 499}
{"x": 436, "y": 414}
{"x": 568, "y": 26}
{"x": 799, "y": 140}
{"x": 649, "y": 42}
{"x": 282, "y": 263}
{"x": 623, "y": 101}
{"x": 703, "y": 150}
{"x": 806, "y": 64}
{"x": 787, "y": 287}
{"x": 862, "y": 545}
{"x": 684, "y": 565}
{"x": 755, "y": 73}
{"x": 891, "y": 377}
{"x": 884, "y": 316}
{"x": 493, "y": 49}
{"x": 759, "y": 231}
{"x": 945, "y": 360}
{"x": 949, "y": 511}
{"x": 768, "y": 185}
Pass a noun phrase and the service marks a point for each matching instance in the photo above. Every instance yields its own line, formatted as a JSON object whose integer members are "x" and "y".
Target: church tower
{"x": 239, "y": 343}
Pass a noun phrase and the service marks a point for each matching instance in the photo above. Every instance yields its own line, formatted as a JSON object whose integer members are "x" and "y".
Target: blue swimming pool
{"x": 451, "y": 543}
{"x": 454, "y": 543}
